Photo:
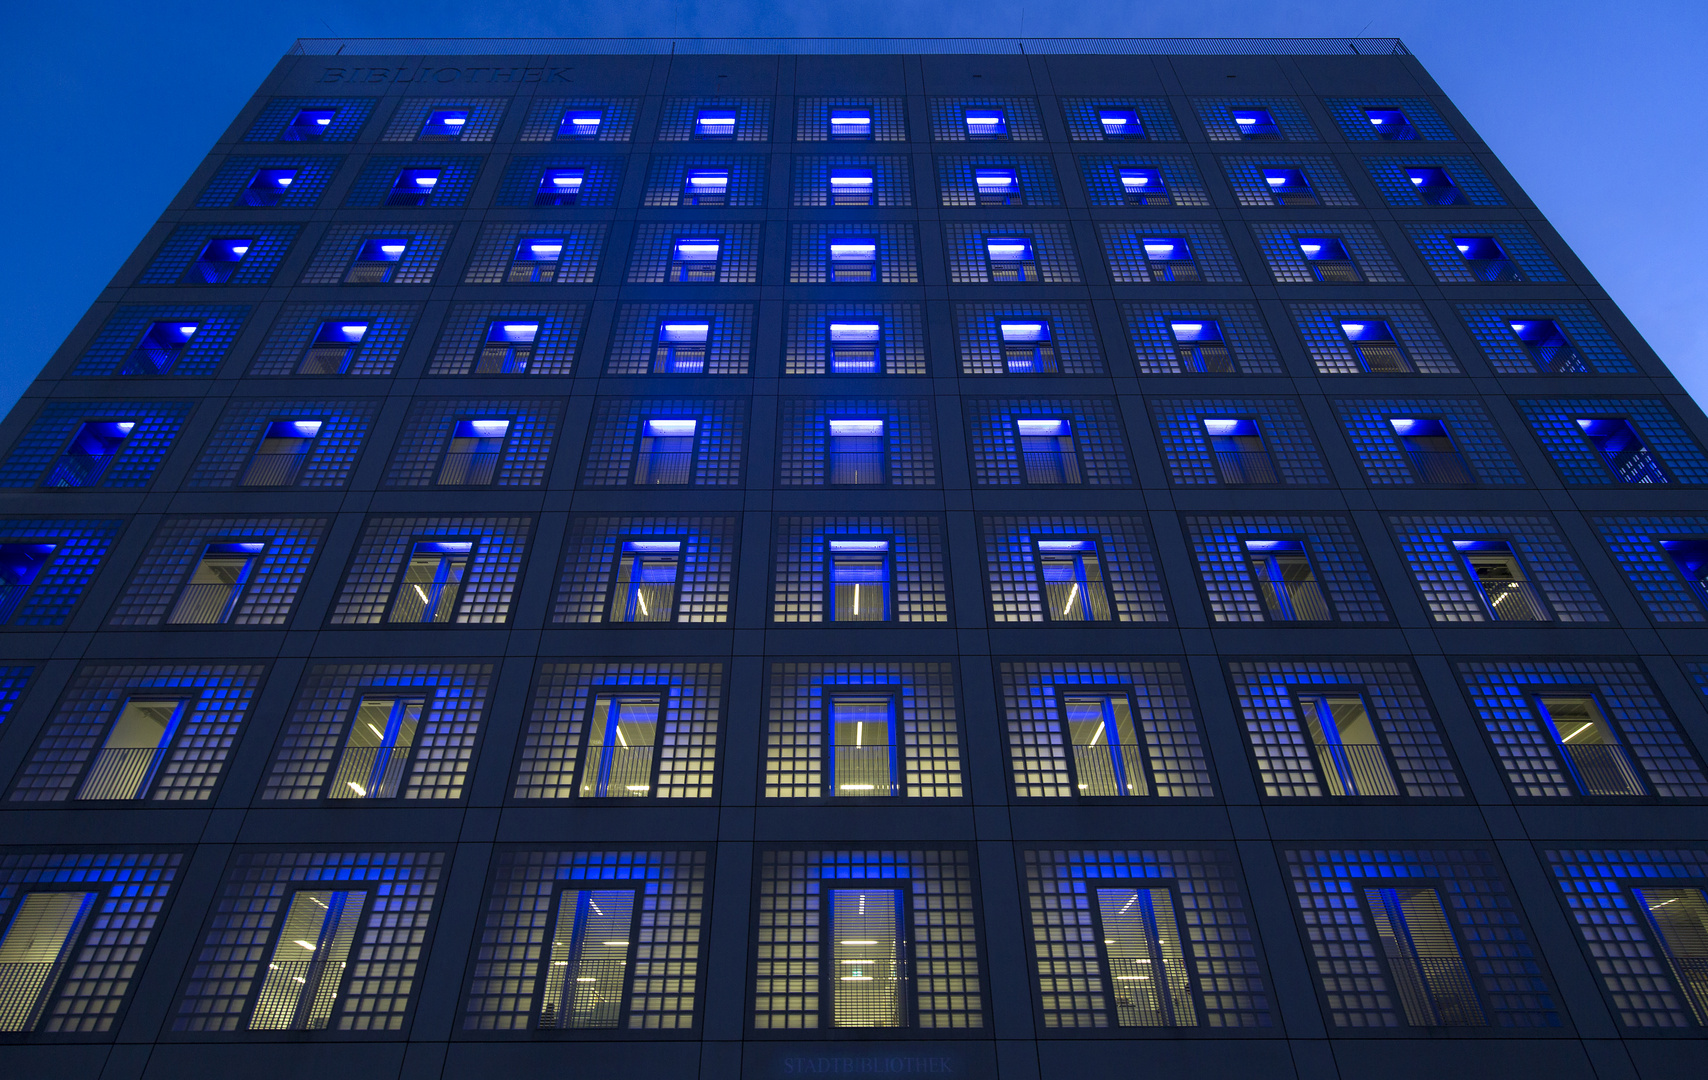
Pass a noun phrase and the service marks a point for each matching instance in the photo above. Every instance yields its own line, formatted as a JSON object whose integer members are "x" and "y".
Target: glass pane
{"x": 646, "y": 588}
{"x": 589, "y": 958}
{"x": 1680, "y": 919}
{"x": 1106, "y": 752}
{"x": 377, "y": 749}
{"x": 1429, "y": 972}
{"x": 307, "y": 965}
{"x": 1590, "y": 747}
{"x": 38, "y": 941}
{"x": 133, "y": 751}
{"x": 620, "y": 742}
{"x": 1348, "y": 751}
{"x": 863, "y": 741}
{"x": 866, "y": 976}
{"x": 1147, "y": 966}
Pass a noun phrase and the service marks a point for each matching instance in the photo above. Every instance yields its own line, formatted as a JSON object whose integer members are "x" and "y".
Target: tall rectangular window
{"x": 1373, "y": 342}
{"x": 681, "y": 348}
{"x": 988, "y": 124}
{"x": 1147, "y": 963}
{"x": 666, "y": 451}
{"x": 218, "y": 260}
{"x": 1691, "y": 559}
{"x": 1349, "y": 755}
{"x": 1169, "y": 258}
{"x": 998, "y": 187}
{"x": 622, "y": 735}
{"x": 1010, "y": 258}
{"x": 309, "y": 125}
{"x": 161, "y": 346}
{"x": 413, "y": 187}
{"x": 867, "y": 973}
{"x": 1328, "y": 259}
{"x": 20, "y": 565}
{"x": 432, "y": 580}
{"x": 1072, "y": 574}
{"x": 694, "y": 259}
{"x": 1144, "y": 187}
{"x": 1623, "y": 450}
{"x": 333, "y": 346}
{"x": 1237, "y": 445}
{"x": 508, "y": 347}
{"x": 1508, "y": 596}
{"x": 1391, "y": 125}
{"x": 376, "y": 260}
{"x": 1549, "y": 347}
{"x": 1286, "y": 581}
{"x": 1027, "y": 348}
{"x": 854, "y": 452}
{"x": 850, "y": 123}
{"x": 646, "y": 582}
{"x": 705, "y": 187}
{"x": 1429, "y": 971}
{"x": 1486, "y": 259}
{"x": 1120, "y": 124}
{"x": 1289, "y": 187}
{"x": 1429, "y": 447}
{"x": 282, "y": 452}
{"x": 851, "y": 185}
{"x": 715, "y": 124}
{"x": 856, "y": 348}
{"x": 559, "y": 187}
{"x": 376, "y": 749}
{"x": 308, "y": 961}
{"x": 92, "y": 448}
{"x": 1588, "y": 746}
{"x": 863, "y": 747}
{"x": 1047, "y": 454}
{"x": 859, "y": 580}
{"x": 211, "y": 594}
{"x": 588, "y": 965}
{"x": 535, "y": 260}
{"x": 1256, "y": 125}
{"x": 1107, "y": 758}
{"x": 1434, "y": 187}
{"x": 1679, "y": 919}
{"x": 475, "y": 449}
{"x": 38, "y": 943}
{"x": 580, "y": 122}
{"x": 135, "y": 746}
{"x": 1200, "y": 347}
{"x": 853, "y": 259}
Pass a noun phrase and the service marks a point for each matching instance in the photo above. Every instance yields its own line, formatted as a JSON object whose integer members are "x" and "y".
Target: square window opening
{"x": 1047, "y": 451}
{"x": 136, "y": 746}
{"x": 1201, "y": 348}
{"x": 413, "y": 187}
{"x": 998, "y": 187}
{"x": 1169, "y": 258}
{"x": 986, "y": 124}
{"x": 1072, "y": 573}
{"x": 508, "y": 347}
{"x": 1256, "y": 125}
{"x": 444, "y": 125}
{"x": 853, "y": 259}
{"x": 161, "y": 346}
{"x": 1120, "y": 124}
{"x": 91, "y": 449}
{"x": 859, "y": 580}
{"x": 267, "y": 187}
{"x": 1241, "y": 456}
{"x": 281, "y": 454}
{"x": 856, "y": 348}
{"x": 334, "y": 345}
{"x": 218, "y": 260}
{"x": 850, "y": 123}
{"x": 1010, "y": 258}
{"x": 1486, "y": 259}
{"x": 714, "y": 124}
{"x": 1328, "y": 259}
{"x": 694, "y": 259}
{"x": 1373, "y": 342}
{"x": 666, "y": 451}
{"x": 580, "y": 123}
{"x": 376, "y": 260}
{"x": 536, "y": 260}
{"x": 705, "y": 187}
{"x": 1508, "y": 595}
{"x": 1429, "y": 447}
{"x": 381, "y": 735}
{"x": 1391, "y": 125}
{"x": 1027, "y": 348}
{"x": 432, "y": 581}
{"x": 1142, "y": 186}
{"x": 1547, "y": 345}
{"x": 852, "y": 185}
{"x": 1286, "y": 581}
{"x": 21, "y": 563}
{"x": 646, "y": 580}
{"x": 216, "y": 583}
{"x": 560, "y": 187}
{"x": 681, "y": 348}
{"x": 1289, "y": 187}
{"x": 474, "y": 452}
{"x": 854, "y": 451}
{"x": 1623, "y": 450}
{"x": 309, "y": 125}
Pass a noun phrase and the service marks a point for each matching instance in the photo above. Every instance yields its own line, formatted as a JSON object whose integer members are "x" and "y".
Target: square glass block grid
{"x": 1123, "y": 548}
{"x": 1435, "y": 244}
{"x": 390, "y": 946}
{"x": 1266, "y": 692}
{"x": 1072, "y": 328}
{"x": 1448, "y": 589}
{"x": 382, "y": 554}
{"x": 1384, "y": 459}
{"x": 1176, "y": 761}
{"x": 1095, "y": 424}
{"x": 495, "y": 250}
{"x": 1504, "y": 693}
{"x": 1124, "y": 251}
{"x": 431, "y": 425}
{"x": 419, "y": 264}
{"x": 940, "y": 921}
{"x": 601, "y": 178}
{"x": 690, "y": 696}
{"x": 1291, "y": 122}
{"x": 676, "y": 121}
{"x": 344, "y": 424}
{"x": 217, "y": 702}
{"x": 1331, "y": 541}
{"x": 13, "y": 680}
{"x": 1102, "y": 176}
{"x": 275, "y": 116}
{"x": 949, "y": 117}
{"x": 468, "y": 328}
{"x": 315, "y": 732}
{"x": 667, "y": 173}
{"x": 616, "y": 118}
{"x": 919, "y": 576}
{"x": 1343, "y": 939}
{"x": 1491, "y": 326}
{"x": 1320, "y": 328}
{"x": 957, "y": 178}
{"x": 508, "y": 982}
{"x": 892, "y": 178}
{"x": 1150, "y": 330}
{"x": 411, "y": 115}
{"x": 889, "y": 117}
{"x": 1071, "y": 957}
{"x": 112, "y": 346}
{"x": 79, "y": 546}
{"x": 1085, "y": 124}
{"x": 635, "y": 336}
{"x": 616, "y": 433}
{"x": 294, "y": 331}
{"x": 1286, "y": 433}
{"x": 157, "y": 424}
{"x": 809, "y": 251}
{"x": 901, "y": 336}
{"x": 1052, "y": 244}
{"x": 1635, "y": 544}
{"x": 1279, "y": 242}
{"x": 910, "y": 458}
{"x": 1251, "y": 187}
{"x": 379, "y": 176}
{"x": 738, "y": 250}
{"x": 927, "y": 731}
{"x": 1394, "y": 182}
{"x": 1602, "y": 890}
{"x": 275, "y": 580}
{"x": 1355, "y": 126}
{"x": 1554, "y": 420}
{"x": 705, "y": 578}
{"x": 231, "y": 179}
{"x": 131, "y": 890}
{"x": 267, "y": 246}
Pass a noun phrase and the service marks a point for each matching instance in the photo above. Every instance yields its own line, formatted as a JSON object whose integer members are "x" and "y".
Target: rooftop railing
{"x": 759, "y": 46}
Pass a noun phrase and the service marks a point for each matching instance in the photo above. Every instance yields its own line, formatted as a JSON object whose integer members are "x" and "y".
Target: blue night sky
{"x": 1598, "y": 110}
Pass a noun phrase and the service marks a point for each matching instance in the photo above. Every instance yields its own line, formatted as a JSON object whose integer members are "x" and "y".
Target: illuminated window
{"x": 714, "y": 123}
{"x": 853, "y": 259}
{"x": 267, "y": 186}
{"x": 1288, "y": 187}
{"x": 848, "y": 123}
{"x": 986, "y": 123}
{"x": 1073, "y": 582}
{"x": 376, "y": 752}
{"x": 1424, "y": 959}
{"x": 376, "y": 260}
{"x": 1120, "y": 124}
{"x": 559, "y": 187}
{"x": 666, "y": 451}
{"x": 308, "y": 960}
{"x": 1486, "y": 259}
{"x": 413, "y": 187}
{"x": 854, "y": 451}
{"x": 1375, "y": 346}
{"x": 135, "y": 747}
{"x": 1027, "y": 348}
{"x": 309, "y": 125}
{"x": 998, "y": 187}
{"x": 432, "y": 580}
{"x": 1348, "y": 752}
{"x": 856, "y": 348}
{"x": 1588, "y": 747}
{"x": 211, "y": 593}
{"x": 508, "y": 348}
{"x": 851, "y": 185}
{"x": 705, "y": 187}
{"x": 1679, "y": 918}
{"x": 444, "y": 125}
{"x": 580, "y": 122}
{"x": 20, "y": 565}
{"x": 1107, "y": 758}
{"x": 1144, "y": 187}
{"x": 161, "y": 346}
{"x": 1256, "y": 125}
{"x": 1047, "y": 451}
{"x": 333, "y": 346}
{"x": 1241, "y": 456}
{"x": 1434, "y": 187}
{"x": 1169, "y": 258}
{"x": 622, "y": 733}
{"x": 1328, "y": 260}
{"x": 1391, "y": 124}
{"x": 866, "y": 973}
{"x": 34, "y": 952}
{"x": 694, "y": 259}
{"x": 1010, "y": 258}
{"x": 647, "y": 572}
{"x": 588, "y": 966}
{"x": 863, "y": 747}
{"x": 535, "y": 260}
{"x": 471, "y": 458}
{"x": 218, "y": 260}
{"x": 1147, "y": 965}
{"x": 681, "y": 348}
{"x": 1286, "y": 581}
{"x": 283, "y": 451}
{"x": 1508, "y": 596}
{"x": 1429, "y": 447}
{"x": 92, "y": 448}
{"x": 1546, "y": 343}
{"x": 1200, "y": 347}
{"x": 1691, "y": 558}
{"x": 1623, "y": 450}
{"x": 859, "y": 580}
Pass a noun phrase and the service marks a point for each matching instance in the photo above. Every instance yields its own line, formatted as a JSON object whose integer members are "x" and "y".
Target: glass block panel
{"x": 919, "y": 576}
{"x": 274, "y": 583}
{"x": 1352, "y": 115}
{"x": 1193, "y": 459}
{"x": 344, "y": 424}
{"x": 1554, "y": 421}
{"x": 901, "y": 336}
{"x": 1218, "y": 545}
{"x": 156, "y": 425}
{"x": 481, "y": 116}
{"x": 1492, "y": 325}
{"x": 1453, "y": 596}
{"x": 382, "y": 554}
{"x": 1385, "y": 460}
{"x": 349, "y": 114}
{"x": 264, "y": 251}
{"x": 949, "y": 117}
{"x": 616, "y": 429}
{"x": 546, "y": 118}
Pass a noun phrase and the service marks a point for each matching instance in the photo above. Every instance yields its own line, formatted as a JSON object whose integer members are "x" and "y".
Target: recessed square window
{"x": 715, "y": 123}
{"x": 268, "y": 186}
{"x": 681, "y": 348}
{"x": 666, "y": 451}
{"x": 695, "y": 259}
{"x": 309, "y": 125}
{"x": 1288, "y": 187}
{"x": 536, "y": 260}
{"x": 1546, "y": 342}
{"x": 580, "y": 122}
{"x": 218, "y": 260}
{"x": 1256, "y": 124}
{"x": 1373, "y": 341}
{"x": 705, "y": 187}
{"x": 334, "y": 343}
{"x": 376, "y": 260}
{"x": 1391, "y": 124}
{"x": 508, "y": 347}
{"x": 92, "y": 447}
{"x": 1434, "y": 187}
{"x": 986, "y": 123}
{"x": 854, "y": 348}
{"x": 853, "y": 259}
{"x": 1487, "y": 259}
{"x": 560, "y": 187}
{"x": 413, "y": 187}
{"x": 161, "y": 346}
{"x": 1120, "y": 124}
{"x": 851, "y": 122}
{"x": 1169, "y": 258}
{"x": 997, "y": 187}
{"x": 1142, "y": 186}
{"x": 1011, "y": 258}
{"x": 1328, "y": 259}
{"x": 444, "y": 125}
{"x": 1027, "y": 348}
{"x": 851, "y": 185}
{"x": 1200, "y": 347}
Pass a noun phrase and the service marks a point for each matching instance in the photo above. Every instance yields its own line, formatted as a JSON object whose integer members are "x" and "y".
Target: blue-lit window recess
{"x": 161, "y": 346}
{"x": 853, "y": 259}
{"x": 472, "y": 456}
{"x": 20, "y": 565}
{"x": 135, "y": 747}
{"x": 1047, "y": 453}
{"x": 444, "y": 125}
{"x": 856, "y": 348}
{"x": 1169, "y": 258}
{"x": 508, "y": 348}
{"x": 666, "y": 451}
{"x": 850, "y": 123}
{"x": 647, "y": 575}
{"x": 1549, "y": 347}
{"x": 988, "y": 124}
{"x": 559, "y": 187}
{"x": 859, "y": 580}
{"x": 705, "y": 187}
{"x": 866, "y": 980}
{"x": 376, "y": 750}
{"x": 1415, "y": 935}
{"x": 998, "y": 187}
{"x": 38, "y": 945}
{"x": 216, "y": 583}
{"x": 854, "y": 452}
{"x": 413, "y": 187}
{"x": 1120, "y": 124}
{"x": 1349, "y": 754}
{"x": 218, "y": 260}
{"x": 267, "y": 187}
{"x": 681, "y": 348}
{"x": 1328, "y": 259}
{"x": 695, "y": 259}
{"x": 1376, "y": 348}
{"x": 1588, "y": 747}
{"x": 1201, "y": 348}
{"x": 535, "y": 261}
{"x": 1072, "y": 573}
{"x": 717, "y": 124}
{"x": 1429, "y": 447}
{"x": 1237, "y": 445}
{"x": 622, "y": 732}
{"x": 1144, "y": 187}
{"x": 432, "y": 581}
{"x": 1486, "y": 259}
{"x": 1107, "y": 758}
{"x": 1391, "y": 125}
{"x": 283, "y": 451}
{"x": 1691, "y": 558}
{"x": 1286, "y": 581}
{"x": 1149, "y": 980}
{"x": 92, "y": 448}
{"x": 1679, "y": 919}
{"x": 1256, "y": 125}
{"x": 307, "y": 965}
{"x": 376, "y": 260}
{"x": 587, "y": 968}
{"x": 309, "y": 125}
{"x": 1010, "y": 258}
{"x": 334, "y": 345}
{"x": 580, "y": 123}
{"x": 863, "y": 747}
{"x": 1508, "y": 595}
{"x": 1288, "y": 187}
{"x": 851, "y": 185}
{"x": 1027, "y": 348}
{"x": 1623, "y": 450}
{"x": 1434, "y": 187}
